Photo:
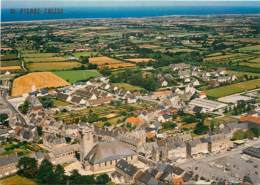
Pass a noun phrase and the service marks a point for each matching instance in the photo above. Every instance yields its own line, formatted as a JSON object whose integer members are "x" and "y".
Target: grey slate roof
{"x": 127, "y": 168}
{"x": 8, "y": 160}
{"x": 108, "y": 151}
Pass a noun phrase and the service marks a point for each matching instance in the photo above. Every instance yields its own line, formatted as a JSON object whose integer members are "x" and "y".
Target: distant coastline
{"x": 127, "y": 12}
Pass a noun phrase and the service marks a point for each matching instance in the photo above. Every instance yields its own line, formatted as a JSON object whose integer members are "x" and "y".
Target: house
{"x": 63, "y": 97}
{"x": 135, "y": 121}
{"x": 35, "y": 104}
{"x": 164, "y": 83}
{"x": 52, "y": 140}
{"x": 207, "y": 105}
{"x": 196, "y": 83}
{"x": 145, "y": 178}
{"x": 197, "y": 146}
{"x": 131, "y": 99}
{"x": 63, "y": 154}
{"x": 8, "y": 165}
{"x": 252, "y": 121}
{"x": 218, "y": 143}
{"x": 77, "y": 100}
{"x": 165, "y": 118}
{"x": 180, "y": 66}
{"x": 127, "y": 171}
{"x": 28, "y": 134}
{"x": 161, "y": 94}
{"x": 202, "y": 94}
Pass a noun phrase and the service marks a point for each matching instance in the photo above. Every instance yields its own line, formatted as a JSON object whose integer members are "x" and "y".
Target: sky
{"x": 81, "y": 3}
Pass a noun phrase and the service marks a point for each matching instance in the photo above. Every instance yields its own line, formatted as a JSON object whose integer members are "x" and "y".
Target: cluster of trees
{"x": 46, "y": 102}
{"x": 91, "y": 117}
{"x": 47, "y": 173}
{"x": 165, "y": 59}
{"x": 169, "y": 125}
{"x": 24, "y": 108}
{"x": 86, "y": 65}
{"x": 135, "y": 77}
{"x": 240, "y": 108}
{"x": 3, "y": 119}
{"x": 200, "y": 127}
{"x": 251, "y": 133}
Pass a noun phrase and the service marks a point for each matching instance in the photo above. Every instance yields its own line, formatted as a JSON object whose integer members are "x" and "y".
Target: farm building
{"x": 207, "y": 105}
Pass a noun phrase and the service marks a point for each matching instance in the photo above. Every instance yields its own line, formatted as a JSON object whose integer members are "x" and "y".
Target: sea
{"x": 19, "y": 14}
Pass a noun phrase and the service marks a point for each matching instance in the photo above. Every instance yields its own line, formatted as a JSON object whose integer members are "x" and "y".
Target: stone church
{"x": 100, "y": 157}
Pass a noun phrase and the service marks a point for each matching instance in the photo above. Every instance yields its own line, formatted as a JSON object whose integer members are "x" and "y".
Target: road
{"x": 14, "y": 111}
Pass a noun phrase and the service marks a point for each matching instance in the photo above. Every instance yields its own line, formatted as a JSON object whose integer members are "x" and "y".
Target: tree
{"x": 92, "y": 117}
{"x": 169, "y": 125}
{"x": 59, "y": 174}
{"x": 4, "y": 119}
{"x": 39, "y": 130}
{"x": 102, "y": 179}
{"x": 24, "y": 107}
{"x": 46, "y": 102}
{"x": 45, "y": 173}
{"x": 249, "y": 134}
{"x": 255, "y": 131}
{"x": 201, "y": 128}
{"x": 238, "y": 135}
{"x": 105, "y": 71}
{"x": 76, "y": 178}
{"x": 27, "y": 167}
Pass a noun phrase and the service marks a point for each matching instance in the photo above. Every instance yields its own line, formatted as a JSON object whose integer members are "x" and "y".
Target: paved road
{"x": 14, "y": 111}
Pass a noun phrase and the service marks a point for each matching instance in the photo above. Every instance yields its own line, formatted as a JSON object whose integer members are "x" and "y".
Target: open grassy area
{"x": 234, "y": 88}
{"x": 38, "y": 55}
{"x": 17, "y": 180}
{"x": 242, "y": 74}
{"x": 77, "y": 75}
{"x": 85, "y": 54}
{"x": 128, "y": 87}
{"x": 59, "y": 103}
{"x": 250, "y": 48}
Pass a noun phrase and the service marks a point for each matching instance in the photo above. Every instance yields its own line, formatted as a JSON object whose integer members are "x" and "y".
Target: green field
{"x": 234, "y": 88}
{"x": 250, "y": 48}
{"x": 16, "y": 179}
{"x": 85, "y": 54}
{"x": 128, "y": 87}
{"x": 38, "y": 55}
{"x": 77, "y": 75}
{"x": 242, "y": 74}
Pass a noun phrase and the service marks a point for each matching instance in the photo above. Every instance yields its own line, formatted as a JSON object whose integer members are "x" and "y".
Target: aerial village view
{"x": 170, "y": 100}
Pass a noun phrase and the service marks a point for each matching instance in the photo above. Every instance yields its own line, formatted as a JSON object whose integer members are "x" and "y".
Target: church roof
{"x": 108, "y": 151}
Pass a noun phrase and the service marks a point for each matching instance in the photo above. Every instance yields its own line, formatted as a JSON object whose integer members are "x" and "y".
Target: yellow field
{"x": 35, "y": 81}
{"x": 47, "y": 66}
{"x": 109, "y": 62}
{"x": 10, "y": 68}
{"x": 140, "y": 60}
